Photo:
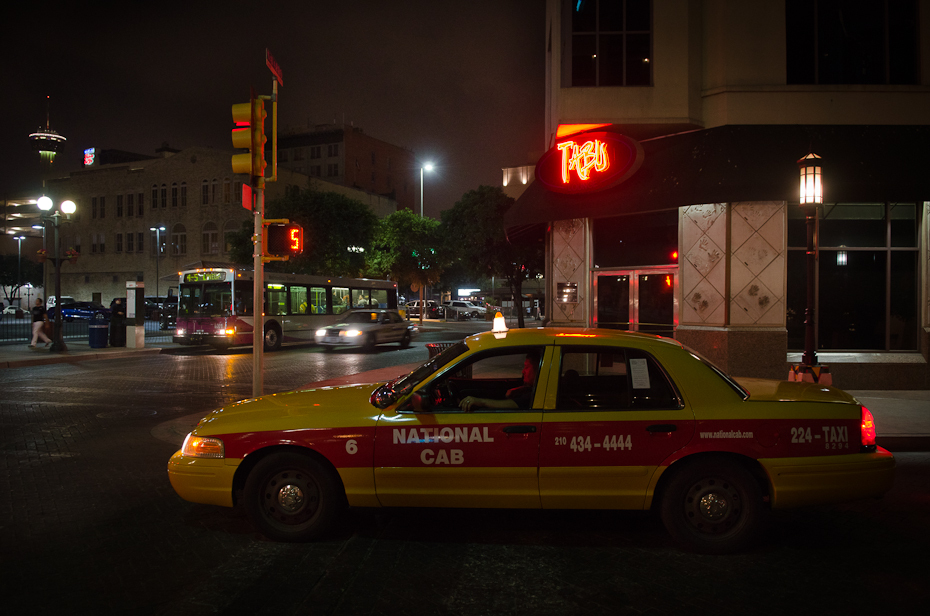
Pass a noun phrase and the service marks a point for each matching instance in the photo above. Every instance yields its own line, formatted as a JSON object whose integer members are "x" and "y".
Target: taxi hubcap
{"x": 712, "y": 506}
{"x": 290, "y": 498}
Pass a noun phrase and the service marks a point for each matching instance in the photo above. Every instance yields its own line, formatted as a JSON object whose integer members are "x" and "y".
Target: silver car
{"x": 367, "y": 328}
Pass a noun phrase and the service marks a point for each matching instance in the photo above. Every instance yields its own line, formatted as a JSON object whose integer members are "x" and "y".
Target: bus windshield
{"x": 207, "y": 300}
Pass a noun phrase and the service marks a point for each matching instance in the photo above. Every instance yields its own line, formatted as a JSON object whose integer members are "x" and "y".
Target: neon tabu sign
{"x": 589, "y": 162}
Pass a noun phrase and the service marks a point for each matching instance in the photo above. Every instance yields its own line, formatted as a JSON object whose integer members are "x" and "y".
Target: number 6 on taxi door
{"x": 603, "y": 419}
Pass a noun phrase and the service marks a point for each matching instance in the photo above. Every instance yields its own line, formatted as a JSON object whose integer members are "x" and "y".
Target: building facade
{"x": 346, "y": 155}
{"x": 693, "y": 229}
{"x": 122, "y": 208}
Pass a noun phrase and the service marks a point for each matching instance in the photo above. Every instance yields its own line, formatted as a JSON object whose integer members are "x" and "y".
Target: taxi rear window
{"x": 613, "y": 378}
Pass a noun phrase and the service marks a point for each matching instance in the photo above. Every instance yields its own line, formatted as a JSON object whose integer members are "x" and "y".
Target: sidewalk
{"x": 902, "y": 416}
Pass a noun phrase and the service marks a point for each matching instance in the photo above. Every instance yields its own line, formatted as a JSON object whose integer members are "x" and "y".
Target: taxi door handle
{"x": 662, "y": 428}
{"x": 519, "y": 429}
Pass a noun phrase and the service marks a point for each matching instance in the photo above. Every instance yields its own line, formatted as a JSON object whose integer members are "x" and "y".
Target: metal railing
{"x": 19, "y": 330}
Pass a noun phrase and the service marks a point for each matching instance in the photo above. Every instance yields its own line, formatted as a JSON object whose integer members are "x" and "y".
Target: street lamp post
{"x": 19, "y": 265}
{"x": 428, "y": 167}
{"x": 44, "y": 266}
{"x": 157, "y": 231}
{"x": 67, "y": 208}
{"x": 810, "y": 199}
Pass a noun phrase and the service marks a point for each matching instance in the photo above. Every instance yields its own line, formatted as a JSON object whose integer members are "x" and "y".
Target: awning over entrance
{"x": 747, "y": 163}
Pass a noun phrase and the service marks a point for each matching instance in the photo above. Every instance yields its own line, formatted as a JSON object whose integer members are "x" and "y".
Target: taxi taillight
{"x": 867, "y": 430}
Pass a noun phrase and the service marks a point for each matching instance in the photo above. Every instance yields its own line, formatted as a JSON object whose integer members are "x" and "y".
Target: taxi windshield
{"x": 391, "y": 391}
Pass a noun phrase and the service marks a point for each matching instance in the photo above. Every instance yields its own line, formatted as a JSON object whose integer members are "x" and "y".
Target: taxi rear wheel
{"x": 713, "y": 508}
{"x": 292, "y": 497}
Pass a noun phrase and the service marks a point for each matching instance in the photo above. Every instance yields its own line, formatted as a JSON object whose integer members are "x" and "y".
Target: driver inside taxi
{"x": 516, "y": 398}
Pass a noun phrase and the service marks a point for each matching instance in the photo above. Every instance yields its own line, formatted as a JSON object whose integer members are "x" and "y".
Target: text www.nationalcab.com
{"x": 726, "y": 434}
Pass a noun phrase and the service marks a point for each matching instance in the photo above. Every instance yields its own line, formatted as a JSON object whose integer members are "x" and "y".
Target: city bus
{"x": 215, "y": 305}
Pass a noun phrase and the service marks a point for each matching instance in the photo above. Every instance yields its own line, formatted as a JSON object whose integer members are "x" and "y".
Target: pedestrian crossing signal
{"x": 284, "y": 240}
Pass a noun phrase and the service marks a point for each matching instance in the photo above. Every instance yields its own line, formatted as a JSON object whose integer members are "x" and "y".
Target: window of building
{"x": 205, "y": 193}
{"x": 130, "y": 205}
{"x": 174, "y": 194}
{"x": 183, "y": 194}
{"x": 315, "y": 151}
{"x": 102, "y": 242}
{"x": 119, "y": 206}
{"x": 332, "y": 170}
{"x": 866, "y": 42}
{"x": 164, "y": 195}
{"x": 227, "y": 191}
{"x": 635, "y": 240}
{"x": 93, "y": 243}
{"x": 216, "y": 187}
{"x": 610, "y": 43}
{"x": 119, "y": 242}
{"x": 211, "y": 239}
{"x": 332, "y": 149}
{"x": 130, "y": 244}
{"x": 299, "y": 153}
{"x": 154, "y": 196}
{"x": 93, "y": 207}
{"x": 237, "y": 193}
{"x": 141, "y": 204}
{"x": 178, "y": 240}
{"x": 316, "y": 171}
{"x": 140, "y": 244}
{"x": 867, "y": 287}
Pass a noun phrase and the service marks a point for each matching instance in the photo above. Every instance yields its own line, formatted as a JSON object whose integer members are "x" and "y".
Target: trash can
{"x": 97, "y": 331}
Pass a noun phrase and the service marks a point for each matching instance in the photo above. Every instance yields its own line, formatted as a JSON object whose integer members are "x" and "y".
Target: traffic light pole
{"x": 258, "y": 292}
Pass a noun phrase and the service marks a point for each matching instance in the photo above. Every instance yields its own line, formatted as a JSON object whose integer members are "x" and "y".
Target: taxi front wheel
{"x": 713, "y": 507}
{"x": 292, "y": 497}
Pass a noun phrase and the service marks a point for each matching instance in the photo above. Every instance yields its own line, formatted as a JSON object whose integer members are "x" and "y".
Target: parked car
{"x": 469, "y": 309}
{"x": 367, "y": 328}
{"x": 434, "y": 310}
{"x": 65, "y": 299}
{"x": 12, "y": 310}
{"x": 600, "y": 419}
{"x": 79, "y": 310}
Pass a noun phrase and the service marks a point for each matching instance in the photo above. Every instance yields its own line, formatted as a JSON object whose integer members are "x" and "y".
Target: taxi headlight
{"x": 321, "y": 333}
{"x": 202, "y": 447}
{"x": 352, "y": 333}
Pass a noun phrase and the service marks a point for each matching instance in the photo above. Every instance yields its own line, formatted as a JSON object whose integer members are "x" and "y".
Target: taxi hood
{"x": 766, "y": 390}
{"x": 325, "y": 407}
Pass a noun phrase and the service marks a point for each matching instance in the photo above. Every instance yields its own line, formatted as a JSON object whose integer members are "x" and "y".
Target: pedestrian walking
{"x": 117, "y": 323}
{"x": 39, "y": 319}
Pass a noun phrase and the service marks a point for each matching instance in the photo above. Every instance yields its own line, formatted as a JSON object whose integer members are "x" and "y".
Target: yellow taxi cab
{"x": 542, "y": 418}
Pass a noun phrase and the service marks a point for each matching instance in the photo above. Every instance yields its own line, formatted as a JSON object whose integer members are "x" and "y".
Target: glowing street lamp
{"x": 66, "y": 208}
{"x": 427, "y": 167}
{"x": 811, "y": 196}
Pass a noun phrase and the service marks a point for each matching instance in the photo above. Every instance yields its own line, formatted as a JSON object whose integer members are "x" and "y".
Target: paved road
{"x": 89, "y": 523}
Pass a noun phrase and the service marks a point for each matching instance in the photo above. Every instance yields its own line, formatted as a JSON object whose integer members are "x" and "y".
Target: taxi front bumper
{"x": 207, "y": 481}
{"x": 821, "y": 480}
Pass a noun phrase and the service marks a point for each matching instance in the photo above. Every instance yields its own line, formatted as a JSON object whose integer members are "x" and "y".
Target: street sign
{"x": 273, "y": 66}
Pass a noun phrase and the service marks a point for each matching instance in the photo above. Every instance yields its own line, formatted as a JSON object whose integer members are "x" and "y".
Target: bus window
{"x": 379, "y": 298}
{"x": 317, "y": 300}
{"x": 341, "y": 300}
{"x": 360, "y": 298}
{"x": 244, "y": 295}
{"x": 189, "y": 301}
{"x": 275, "y": 300}
{"x": 298, "y": 297}
{"x": 216, "y": 301}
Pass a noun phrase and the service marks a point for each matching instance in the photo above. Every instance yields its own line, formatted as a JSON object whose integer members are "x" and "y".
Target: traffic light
{"x": 284, "y": 240}
{"x": 250, "y": 134}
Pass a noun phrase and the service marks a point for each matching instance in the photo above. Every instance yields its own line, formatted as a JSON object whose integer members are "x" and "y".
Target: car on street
{"x": 79, "y": 310}
{"x": 434, "y": 310}
{"x": 366, "y": 328}
{"x": 12, "y": 310}
{"x": 551, "y": 418}
{"x": 464, "y": 309}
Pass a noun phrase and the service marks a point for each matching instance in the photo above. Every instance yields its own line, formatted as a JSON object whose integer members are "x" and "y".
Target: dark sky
{"x": 459, "y": 83}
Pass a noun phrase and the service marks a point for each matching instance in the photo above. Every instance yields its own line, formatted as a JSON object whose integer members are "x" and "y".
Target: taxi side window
{"x": 605, "y": 378}
{"x": 490, "y": 375}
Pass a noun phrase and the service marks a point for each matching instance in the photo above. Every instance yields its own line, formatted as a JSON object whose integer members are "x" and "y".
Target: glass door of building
{"x": 644, "y": 300}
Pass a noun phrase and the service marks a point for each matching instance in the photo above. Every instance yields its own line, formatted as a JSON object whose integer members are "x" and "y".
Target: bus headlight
{"x": 202, "y": 447}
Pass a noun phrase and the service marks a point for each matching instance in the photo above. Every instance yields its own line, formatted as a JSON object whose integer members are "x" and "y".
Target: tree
{"x": 408, "y": 249}
{"x": 335, "y": 227}
{"x": 16, "y": 272}
{"x": 474, "y": 229}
